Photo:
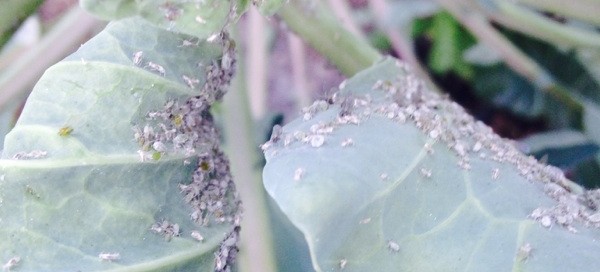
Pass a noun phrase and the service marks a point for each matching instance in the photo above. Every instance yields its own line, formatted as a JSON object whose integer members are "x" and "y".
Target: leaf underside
{"x": 200, "y": 18}
{"x": 72, "y": 182}
{"x": 389, "y": 177}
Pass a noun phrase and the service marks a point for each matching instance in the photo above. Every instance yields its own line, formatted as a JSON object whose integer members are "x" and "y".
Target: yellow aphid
{"x": 65, "y": 131}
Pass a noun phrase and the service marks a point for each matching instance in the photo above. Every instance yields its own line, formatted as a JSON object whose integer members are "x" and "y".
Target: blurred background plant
{"x": 530, "y": 69}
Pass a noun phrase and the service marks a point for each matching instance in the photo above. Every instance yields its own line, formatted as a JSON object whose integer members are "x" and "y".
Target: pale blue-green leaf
{"x": 90, "y": 193}
{"x": 201, "y": 18}
{"x": 396, "y": 200}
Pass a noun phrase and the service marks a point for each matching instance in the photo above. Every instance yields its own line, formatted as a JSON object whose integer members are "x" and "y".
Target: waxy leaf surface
{"x": 80, "y": 188}
{"x": 386, "y": 176}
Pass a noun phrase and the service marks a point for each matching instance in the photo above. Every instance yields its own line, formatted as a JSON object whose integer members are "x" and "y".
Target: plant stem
{"x": 347, "y": 52}
{"x": 513, "y": 57}
{"x": 12, "y": 14}
{"x": 257, "y": 253}
{"x": 401, "y": 43}
{"x": 63, "y": 39}
{"x": 541, "y": 27}
{"x": 256, "y": 64}
{"x": 585, "y": 10}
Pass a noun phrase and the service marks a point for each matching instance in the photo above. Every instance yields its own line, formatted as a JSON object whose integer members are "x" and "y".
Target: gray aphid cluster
{"x": 187, "y": 128}
{"x": 444, "y": 121}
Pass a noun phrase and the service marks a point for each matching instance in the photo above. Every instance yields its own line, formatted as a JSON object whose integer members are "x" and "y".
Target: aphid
{"x": 343, "y": 263}
{"x": 594, "y": 218}
{"x": 347, "y": 142}
{"x": 137, "y": 57}
{"x": 393, "y": 246}
{"x": 14, "y": 261}
{"x": 428, "y": 148}
{"x": 156, "y": 156}
{"x": 65, "y": 131}
{"x": 477, "y": 146}
{"x": 524, "y": 252}
{"x": 298, "y": 174}
{"x": 191, "y": 82}
{"x": 317, "y": 140}
{"x": 157, "y": 68}
{"x": 546, "y": 221}
{"x": 212, "y": 37}
{"x": 200, "y": 20}
{"x": 196, "y": 235}
{"x": 495, "y": 173}
{"x": 159, "y": 146}
{"x": 109, "y": 256}
{"x": 365, "y": 221}
{"x": 425, "y": 172}
{"x": 31, "y": 192}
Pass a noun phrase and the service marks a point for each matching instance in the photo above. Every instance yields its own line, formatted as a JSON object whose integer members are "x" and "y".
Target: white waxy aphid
{"x": 137, "y": 57}
{"x": 159, "y": 146}
{"x": 191, "y": 82}
{"x": 317, "y": 140}
{"x": 524, "y": 252}
{"x": 196, "y": 235}
{"x": 212, "y": 37}
{"x": 546, "y": 221}
{"x": 477, "y": 146}
{"x": 298, "y": 174}
{"x": 495, "y": 173}
{"x": 365, "y": 221}
{"x": 383, "y": 176}
{"x": 343, "y": 263}
{"x": 393, "y": 246}
{"x": 109, "y": 256}
{"x": 594, "y": 218}
{"x": 10, "y": 264}
{"x": 347, "y": 142}
{"x": 157, "y": 68}
{"x": 434, "y": 134}
{"x": 425, "y": 172}
{"x": 200, "y": 20}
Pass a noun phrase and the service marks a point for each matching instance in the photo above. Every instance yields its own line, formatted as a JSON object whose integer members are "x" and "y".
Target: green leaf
{"x": 198, "y": 18}
{"x": 449, "y": 42}
{"x": 392, "y": 177}
{"x": 77, "y": 178}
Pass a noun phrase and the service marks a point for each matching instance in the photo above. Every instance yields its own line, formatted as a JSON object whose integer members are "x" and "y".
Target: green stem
{"x": 257, "y": 253}
{"x": 536, "y": 25}
{"x": 347, "y": 52}
{"x": 584, "y": 10}
{"x": 478, "y": 25}
{"x": 12, "y": 14}
{"x": 72, "y": 30}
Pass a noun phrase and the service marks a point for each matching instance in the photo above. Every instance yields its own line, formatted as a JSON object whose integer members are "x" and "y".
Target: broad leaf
{"x": 388, "y": 176}
{"x": 114, "y": 162}
{"x": 201, "y": 18}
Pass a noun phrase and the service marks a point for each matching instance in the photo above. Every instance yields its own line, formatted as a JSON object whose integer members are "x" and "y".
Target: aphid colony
{"x": 186, "y": 128}
{"x": 444, "y": 122}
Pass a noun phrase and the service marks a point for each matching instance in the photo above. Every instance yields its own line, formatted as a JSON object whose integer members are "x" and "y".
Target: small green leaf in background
{"x": 202, "y": 19}
{"x": 391, "y": 177}
{"x": 449, "y": 42}
{"x": 95, "y": 198}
